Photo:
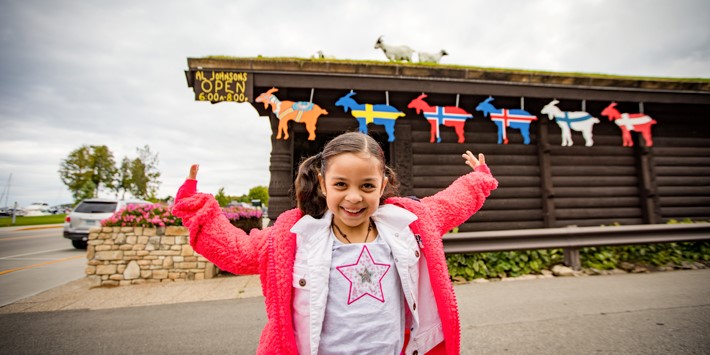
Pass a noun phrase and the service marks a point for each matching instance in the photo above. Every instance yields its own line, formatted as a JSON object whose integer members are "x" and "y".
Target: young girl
{"x": 353, "y": 268}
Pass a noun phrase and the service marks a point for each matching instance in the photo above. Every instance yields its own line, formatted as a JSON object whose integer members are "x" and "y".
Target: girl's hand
{"x": 472, "y": 161}
{"x": 193, "y": 172}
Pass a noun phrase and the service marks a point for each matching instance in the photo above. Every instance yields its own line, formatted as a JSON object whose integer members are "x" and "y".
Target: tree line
{"x": 92, "y": 168}
{"x": 260, "y": 193}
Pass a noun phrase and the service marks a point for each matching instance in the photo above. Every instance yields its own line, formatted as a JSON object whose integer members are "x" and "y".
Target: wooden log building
{"x": 542, "y": 184}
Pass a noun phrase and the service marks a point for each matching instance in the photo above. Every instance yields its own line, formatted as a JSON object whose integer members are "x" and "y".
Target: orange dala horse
{"x": 301, "y": 111}
{"x": 637, "y": 122}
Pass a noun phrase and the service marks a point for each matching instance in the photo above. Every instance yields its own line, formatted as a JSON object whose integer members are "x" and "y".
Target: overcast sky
{"x": 110, "y": 73}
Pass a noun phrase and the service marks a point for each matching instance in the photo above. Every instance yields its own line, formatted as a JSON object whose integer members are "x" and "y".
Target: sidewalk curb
{"x": 77, "y": 294}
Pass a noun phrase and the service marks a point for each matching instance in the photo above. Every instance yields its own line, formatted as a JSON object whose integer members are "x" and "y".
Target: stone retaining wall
{"x": 120, "y": 256}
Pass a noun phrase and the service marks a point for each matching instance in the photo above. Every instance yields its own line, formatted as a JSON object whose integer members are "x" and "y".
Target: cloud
{"x": 77, "y": 72}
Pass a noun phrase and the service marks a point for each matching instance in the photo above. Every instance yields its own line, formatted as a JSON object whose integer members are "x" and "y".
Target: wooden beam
{"x": 547, "y": 188}
{"x": 647, "y": 184}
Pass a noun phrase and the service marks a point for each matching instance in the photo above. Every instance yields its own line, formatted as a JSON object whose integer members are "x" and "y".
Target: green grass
{"x": 32, "y": 221}
{"x": 457, "y": 66}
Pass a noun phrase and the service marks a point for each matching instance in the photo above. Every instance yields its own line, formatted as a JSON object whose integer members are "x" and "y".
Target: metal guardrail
{"x": 571, "y": 239}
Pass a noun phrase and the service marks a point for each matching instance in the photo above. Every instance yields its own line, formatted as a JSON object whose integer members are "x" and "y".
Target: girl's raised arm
{"x": 189, "y": 187}
{"x": 471, "y": 160}
{"x": 193, "y": 172}
{"x": 457, "y": 203}
{"x": 211, "y": 233}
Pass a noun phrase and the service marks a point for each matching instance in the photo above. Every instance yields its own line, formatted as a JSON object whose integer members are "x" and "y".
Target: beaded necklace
{"x": 335, "y": 227}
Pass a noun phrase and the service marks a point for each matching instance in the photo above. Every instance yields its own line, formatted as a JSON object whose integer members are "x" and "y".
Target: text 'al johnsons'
{"x": 221, "y": 86}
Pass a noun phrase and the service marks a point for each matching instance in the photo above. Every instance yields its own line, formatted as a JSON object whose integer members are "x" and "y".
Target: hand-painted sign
{"x": 449, "y": 116}
{"x": 379, "y": 114}
{"x": 628, "y": 122}
{"x": 301, "y": 111}
{"x": 218, "y": 86}
{"x": 518, "y": 119}
{"x": 579, "y": 121}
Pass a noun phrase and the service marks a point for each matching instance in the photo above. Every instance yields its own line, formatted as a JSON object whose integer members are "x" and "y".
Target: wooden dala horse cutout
{"x": 517, "y": 119}
{"x": 579, "y": 121}
{"x": 637, "y": 122}
{"x": 379, "y": 114}
{"x": 449, "y": 116}
{"x": 301, "y": 112}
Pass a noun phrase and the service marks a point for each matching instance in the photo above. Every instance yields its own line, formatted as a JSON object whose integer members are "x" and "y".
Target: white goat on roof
{"x": 425, "y": 57}
{"x": 394, "y": 53}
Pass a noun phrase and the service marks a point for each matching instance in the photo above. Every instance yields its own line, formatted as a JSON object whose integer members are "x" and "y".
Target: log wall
{"x": 543, "y": 184}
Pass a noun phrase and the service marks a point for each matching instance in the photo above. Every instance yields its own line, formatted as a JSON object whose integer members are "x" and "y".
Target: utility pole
{"x": 6, "y": 190}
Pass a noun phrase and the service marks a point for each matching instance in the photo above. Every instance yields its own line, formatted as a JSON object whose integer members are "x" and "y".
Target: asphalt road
{"x": 35, "y": 259}
{"x": 659, "y": 313}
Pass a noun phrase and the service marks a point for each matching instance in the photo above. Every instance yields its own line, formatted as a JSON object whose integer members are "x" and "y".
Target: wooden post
{"x": 281, "y": 172}
{"x": 648, "y": 194}
{"x": 546, "y": 187}
{"x": 401, "y": 155}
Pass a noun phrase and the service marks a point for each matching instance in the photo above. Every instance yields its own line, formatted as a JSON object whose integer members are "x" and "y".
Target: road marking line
{"x": 37, "y": 252}
{"x": 28, "y": 237}
{"x": 29, "y": 259}
{"x": 36, "y": 228}
{"x": 40, "y": 264}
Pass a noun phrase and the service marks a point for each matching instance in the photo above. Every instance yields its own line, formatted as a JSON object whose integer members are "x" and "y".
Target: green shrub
{"x": 502, "y": 264}
{"x": 516, "y": 263}
{"x": 605, "y": 258}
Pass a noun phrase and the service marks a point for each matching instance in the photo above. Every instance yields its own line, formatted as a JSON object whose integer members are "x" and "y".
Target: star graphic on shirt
{"x": 365, "y": 277}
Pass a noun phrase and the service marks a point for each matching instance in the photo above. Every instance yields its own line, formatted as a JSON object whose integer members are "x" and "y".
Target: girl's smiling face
{"x": 353, "y": 185}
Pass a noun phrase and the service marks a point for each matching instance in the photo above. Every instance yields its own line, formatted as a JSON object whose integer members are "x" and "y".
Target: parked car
{"x": 8, "y": 211}
{"x": 59, "y": 209}
{"x": 89, "y": 213}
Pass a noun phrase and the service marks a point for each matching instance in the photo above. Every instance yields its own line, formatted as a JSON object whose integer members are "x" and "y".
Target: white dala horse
{"x": 579, "y": 121}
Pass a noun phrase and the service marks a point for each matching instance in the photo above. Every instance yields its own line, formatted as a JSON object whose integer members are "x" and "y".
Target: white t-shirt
{"x": 364, "y": 313}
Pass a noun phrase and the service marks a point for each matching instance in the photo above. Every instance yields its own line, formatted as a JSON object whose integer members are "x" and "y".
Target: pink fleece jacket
{"x": 271, "y": 252}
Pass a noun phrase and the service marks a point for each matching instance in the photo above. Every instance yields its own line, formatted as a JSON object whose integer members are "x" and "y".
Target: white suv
{"x": 89, "y": 213}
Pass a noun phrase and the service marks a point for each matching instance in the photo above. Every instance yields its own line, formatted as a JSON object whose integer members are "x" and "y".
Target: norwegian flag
{"x": 447, "y": 114}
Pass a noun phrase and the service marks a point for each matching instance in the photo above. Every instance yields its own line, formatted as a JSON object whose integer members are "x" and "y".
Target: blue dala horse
{"x": 518, "y": 119}
{"x": 379, "y": 114}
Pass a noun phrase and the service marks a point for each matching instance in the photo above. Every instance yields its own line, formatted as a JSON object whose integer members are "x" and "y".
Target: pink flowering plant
{"x": 243, "y": 217}
{"x": 155, "y": 215}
